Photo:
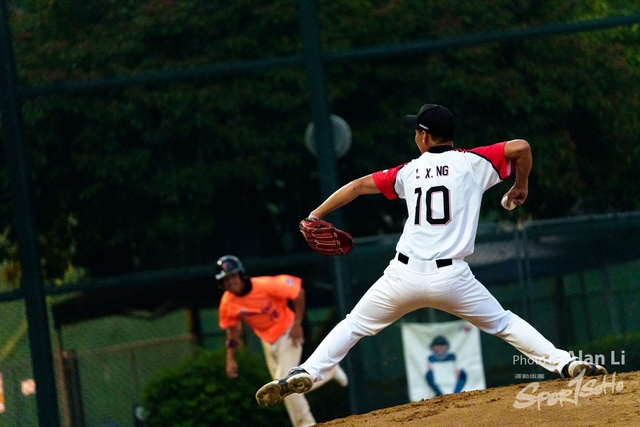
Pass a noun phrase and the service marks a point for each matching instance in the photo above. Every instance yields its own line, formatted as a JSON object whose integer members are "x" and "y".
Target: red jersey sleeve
{"x": 495, "y": 155}
{"x": 385, "y": 181}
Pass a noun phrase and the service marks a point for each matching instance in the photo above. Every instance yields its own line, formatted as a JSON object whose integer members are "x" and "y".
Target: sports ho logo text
{"x": 527, "y": 397}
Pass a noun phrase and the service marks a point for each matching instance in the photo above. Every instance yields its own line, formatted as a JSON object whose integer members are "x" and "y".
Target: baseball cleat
{"x": 590, "y": 369}
{"x": 298, "y": 381}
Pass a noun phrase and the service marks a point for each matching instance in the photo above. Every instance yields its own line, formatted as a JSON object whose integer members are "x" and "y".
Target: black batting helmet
{"x": 228, "y": 264}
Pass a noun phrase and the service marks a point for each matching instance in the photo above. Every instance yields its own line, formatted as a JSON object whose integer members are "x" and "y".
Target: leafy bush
{"x": 198, "y": 393}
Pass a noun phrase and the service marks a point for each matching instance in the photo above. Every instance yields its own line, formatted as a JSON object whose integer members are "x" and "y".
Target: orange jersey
{"x": 265, "y": 309}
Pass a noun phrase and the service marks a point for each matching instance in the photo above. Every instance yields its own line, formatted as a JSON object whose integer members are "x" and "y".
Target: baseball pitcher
{"x": 443, "y": 191}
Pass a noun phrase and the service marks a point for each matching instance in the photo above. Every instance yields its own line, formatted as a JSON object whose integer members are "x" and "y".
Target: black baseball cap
{"x": 432, "y": 118}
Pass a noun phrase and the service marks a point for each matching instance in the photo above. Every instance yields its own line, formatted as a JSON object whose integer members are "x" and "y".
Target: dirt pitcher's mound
{"x": 613, "y": 400}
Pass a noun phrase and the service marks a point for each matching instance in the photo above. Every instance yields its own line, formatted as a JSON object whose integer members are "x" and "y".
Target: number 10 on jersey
{"x": 437, "y": 204}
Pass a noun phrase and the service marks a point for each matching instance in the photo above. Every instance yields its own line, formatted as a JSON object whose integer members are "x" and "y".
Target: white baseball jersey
{"x": 443, "y": 190}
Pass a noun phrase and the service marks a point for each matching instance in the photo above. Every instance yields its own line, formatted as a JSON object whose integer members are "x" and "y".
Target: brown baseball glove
{"x": 324, "y": 238}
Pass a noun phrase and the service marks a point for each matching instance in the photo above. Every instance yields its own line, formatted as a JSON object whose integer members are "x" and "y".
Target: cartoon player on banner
{"x": 443, "y": 375}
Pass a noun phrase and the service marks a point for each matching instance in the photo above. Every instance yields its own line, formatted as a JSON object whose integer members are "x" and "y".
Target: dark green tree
{"x": 162, "y": 175}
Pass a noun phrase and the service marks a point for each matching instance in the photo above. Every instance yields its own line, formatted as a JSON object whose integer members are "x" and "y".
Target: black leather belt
{"x": 439, "y": 262}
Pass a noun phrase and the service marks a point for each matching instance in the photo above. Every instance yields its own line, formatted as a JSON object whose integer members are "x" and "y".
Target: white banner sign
{"x": 442, "y": 358}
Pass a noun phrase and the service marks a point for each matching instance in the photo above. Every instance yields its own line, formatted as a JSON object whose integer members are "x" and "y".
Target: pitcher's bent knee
{"x": 358, "y": 329}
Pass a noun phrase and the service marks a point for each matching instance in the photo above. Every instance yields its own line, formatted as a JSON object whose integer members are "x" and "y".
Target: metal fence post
{"x": 317, "y": 88}
{"x": 36, "y": 307}
{"x": 525, "y": 283}
{"x": 609, "y": 300}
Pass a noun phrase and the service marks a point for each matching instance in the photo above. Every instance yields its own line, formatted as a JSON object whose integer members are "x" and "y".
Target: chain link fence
{"x": 98, "y": 385}
{"x": 103, "y": 386}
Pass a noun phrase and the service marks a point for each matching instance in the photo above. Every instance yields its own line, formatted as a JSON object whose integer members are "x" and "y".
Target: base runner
{"x": 263, "y": 304}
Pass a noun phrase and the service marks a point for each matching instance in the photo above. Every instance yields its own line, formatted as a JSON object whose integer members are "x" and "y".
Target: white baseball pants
{"x": 418, "y": 284}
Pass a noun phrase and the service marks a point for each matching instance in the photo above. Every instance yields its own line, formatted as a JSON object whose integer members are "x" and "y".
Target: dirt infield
{"x": 613, "y": 400}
